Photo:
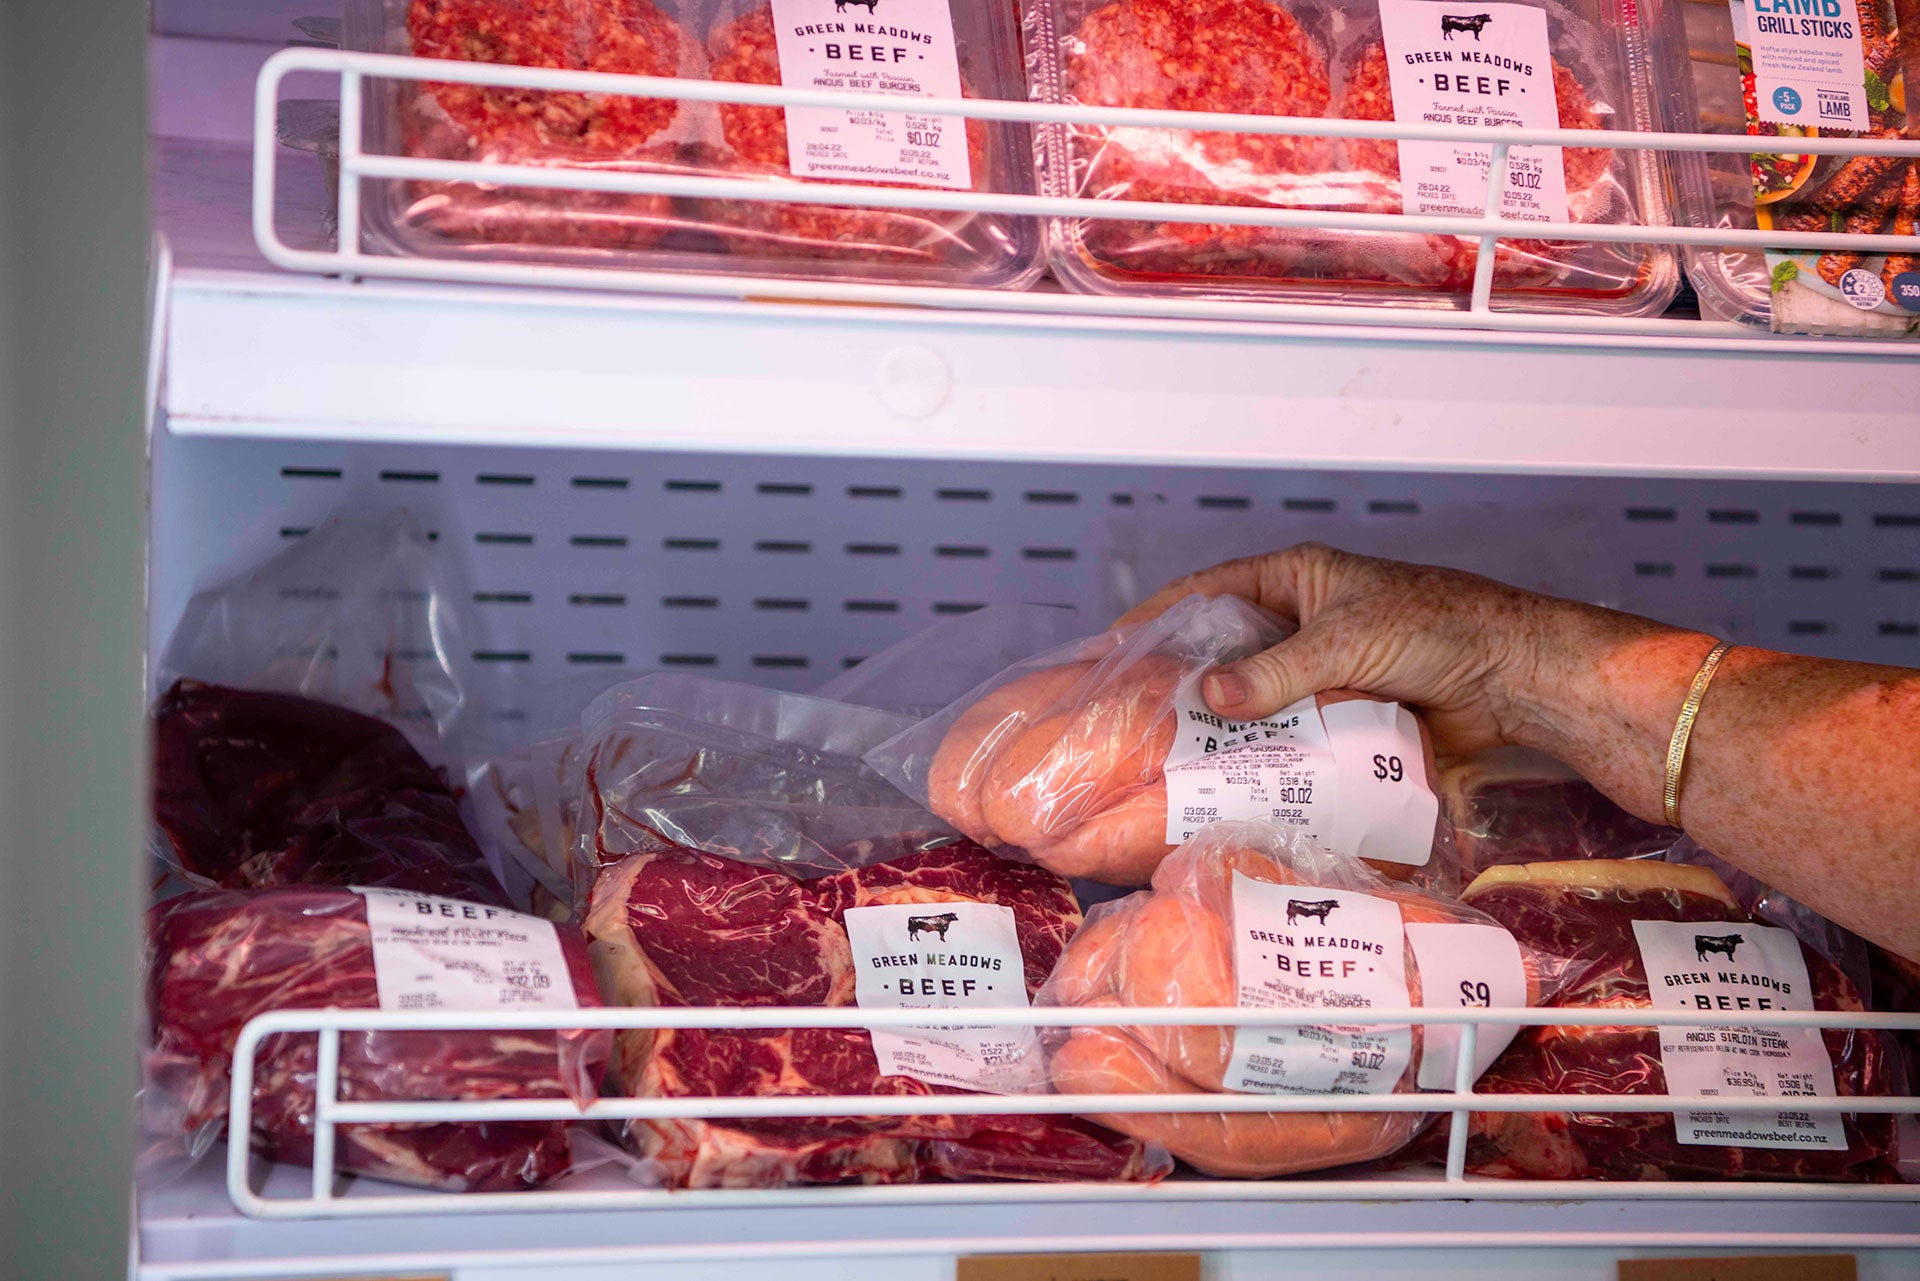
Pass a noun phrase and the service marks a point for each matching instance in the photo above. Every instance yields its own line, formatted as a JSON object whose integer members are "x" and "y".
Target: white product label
{"x": 945, "y": 956}
{"x": 900, "y": 47}
{"x": 1298, "y": 946}
{"x": 1808, "y": 68}
{"x": 1385, "y": 806}
{"x": 1352, "y": 778}
{"x": 1463, "y": 965}
{"x": 1489, "y": 65}
{"x": 432, "y": 953}
{"x": 1725, "y": 968}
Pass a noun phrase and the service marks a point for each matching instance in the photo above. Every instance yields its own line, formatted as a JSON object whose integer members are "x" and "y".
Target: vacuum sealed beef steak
{"x": 1606, "y": 926}
{"x": 687, "y": 928}
{"x": 261, "y": 790}
{"x": 216, "y": 958}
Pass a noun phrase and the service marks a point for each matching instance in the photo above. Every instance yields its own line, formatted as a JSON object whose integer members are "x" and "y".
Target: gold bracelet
{"x": 1683, "y": 729}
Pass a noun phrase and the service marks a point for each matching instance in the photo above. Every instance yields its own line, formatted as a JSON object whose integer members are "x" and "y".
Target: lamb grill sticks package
{"x": 1835, "y": 71}
{"x": 1581, "y": 65}
{"x": 911, "y": 48}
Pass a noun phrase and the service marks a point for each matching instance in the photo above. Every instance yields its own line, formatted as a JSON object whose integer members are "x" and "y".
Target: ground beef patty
{"x": 743, "y": 51}
{"x": 1249, "y": 56}
{"x": 1369, "y": 96}
{"x": 628, "y": 37}
{"x": 529, "y": 127}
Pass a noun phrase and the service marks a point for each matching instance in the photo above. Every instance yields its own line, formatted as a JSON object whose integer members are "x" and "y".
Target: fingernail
{"x": 1224, "y": 689}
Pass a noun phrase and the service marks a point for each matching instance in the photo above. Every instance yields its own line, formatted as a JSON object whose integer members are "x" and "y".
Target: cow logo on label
{"x": 1474, "y": 22}
{"x": 840, "y": 6}
{"x": 1318, "y": 909}
{"x": 1722, "y": 943}
{"x": 935, "y": 925}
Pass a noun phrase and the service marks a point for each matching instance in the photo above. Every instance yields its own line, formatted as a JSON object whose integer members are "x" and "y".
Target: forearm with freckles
{"x": 1804, "y": 772}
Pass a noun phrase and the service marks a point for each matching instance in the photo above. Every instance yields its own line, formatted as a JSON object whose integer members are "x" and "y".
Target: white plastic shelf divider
{"x": 444, "y": 364}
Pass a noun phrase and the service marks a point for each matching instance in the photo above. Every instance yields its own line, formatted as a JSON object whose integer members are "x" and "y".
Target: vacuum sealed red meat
{"x": 1245, "y": 914}
{"x": 1100, "y": 756}
{"x": 1510, "y": 806}
{"x": 688, "y": 928}
{"x": 1628, "y": 935}
{"x": 217, "y": 958}
{"x": 922, "y": 49}
{"x": 1575, "y": 65}
{"x": 264, "y": 790}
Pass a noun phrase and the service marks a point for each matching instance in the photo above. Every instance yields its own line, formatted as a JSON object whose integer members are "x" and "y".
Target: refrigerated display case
{"x": 769, "y": 479}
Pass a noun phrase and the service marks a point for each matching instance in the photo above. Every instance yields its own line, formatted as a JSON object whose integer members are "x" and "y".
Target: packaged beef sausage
{"x": 1245, "y": 914}
{"x": 1100, "y": 756}
{"x": 1576, "y": 64}
{"x": 907, "y": 49}
{"x": 1651, "y": 933}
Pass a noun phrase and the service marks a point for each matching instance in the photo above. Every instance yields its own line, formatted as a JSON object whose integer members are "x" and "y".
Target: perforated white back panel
{"x": 784, "y": 570}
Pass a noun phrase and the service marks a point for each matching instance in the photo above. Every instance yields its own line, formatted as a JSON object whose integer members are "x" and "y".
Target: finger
{"x": 1304, "y": 664}
{"x": 1271, "y": 580}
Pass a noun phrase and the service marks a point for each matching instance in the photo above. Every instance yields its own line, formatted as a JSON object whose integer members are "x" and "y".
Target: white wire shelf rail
{"x": 348, "y": 257}
{"x": 330, "y": 1110}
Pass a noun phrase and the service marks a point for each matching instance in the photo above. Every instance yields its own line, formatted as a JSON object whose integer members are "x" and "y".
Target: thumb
{"x": 1270, "y": 680}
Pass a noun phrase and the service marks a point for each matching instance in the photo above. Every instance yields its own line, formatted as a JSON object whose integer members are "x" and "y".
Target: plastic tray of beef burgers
{"x": 1841, "y": 293}
{"x": 1578, "y": 64}
{"x": 925, "y": 48}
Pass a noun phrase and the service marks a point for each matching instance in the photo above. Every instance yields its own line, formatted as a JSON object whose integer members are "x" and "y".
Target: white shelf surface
{"x": 188, "y": 1230}
{"x": 450, "y": 363}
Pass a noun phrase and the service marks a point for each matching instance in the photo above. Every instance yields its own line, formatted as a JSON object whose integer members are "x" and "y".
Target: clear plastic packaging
{"x": 216, "y": 958}
{"x": 1511, "y": 806}
{"x": 931, "y": 668}
{"x": 330, "y": 618}
{"x": 686, "y": 928}
{"x": 1327, "y": 58}
{"x": 1579, "y": 918}
{"x": 673, "y": 760}
{"x": 1212, "y": 932}
{"x": 1092, "y": 756}
{"x": 1799, "y": 291}
{"x": 733, "y": 40}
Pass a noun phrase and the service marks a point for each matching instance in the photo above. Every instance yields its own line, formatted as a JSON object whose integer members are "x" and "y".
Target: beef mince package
{"x": 908, "y": 48}
{"x": 1671, "y": 936}
{"x": 1246, "y": 914}
{"x": 946, "y": 928}
{"x": 1100, "y": 756}
{"x": 1837, "y": 70}
{"x": 1576, "y": 64}
{"x": 217, "y": 958}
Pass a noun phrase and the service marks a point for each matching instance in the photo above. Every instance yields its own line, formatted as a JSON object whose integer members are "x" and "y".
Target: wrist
{"x": 1601, "y": 694}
